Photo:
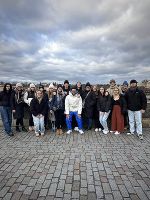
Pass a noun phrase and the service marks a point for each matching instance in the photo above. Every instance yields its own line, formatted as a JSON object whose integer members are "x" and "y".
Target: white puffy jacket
{"x": 73, "y": 103}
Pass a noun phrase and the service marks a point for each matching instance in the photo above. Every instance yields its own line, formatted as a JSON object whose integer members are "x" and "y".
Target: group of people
{"x": 111, "y": 109}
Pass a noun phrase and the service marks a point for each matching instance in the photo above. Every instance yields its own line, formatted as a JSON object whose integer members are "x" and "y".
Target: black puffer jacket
{"x": 5, "y": 96}
{"x": 136, "y": 100}
{"x": 37, "y": 108}
{"x": 104, "y": 103}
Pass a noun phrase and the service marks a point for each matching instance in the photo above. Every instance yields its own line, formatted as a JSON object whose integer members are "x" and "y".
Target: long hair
{"x": 5, "y": 87}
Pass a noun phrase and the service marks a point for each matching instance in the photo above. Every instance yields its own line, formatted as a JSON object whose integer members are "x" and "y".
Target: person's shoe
{"x": 96, "y": 130}
{"x": 111, "y": 131}
{"x": 30, "y": 128}
{"x": 76, "y": 129}
{"x": 81, "y": 131}
{"x": 24, "y": 129}
{"x": 60, "y": 131}
{"x": 69, "y": 132}
{"x": 129, "y": 133}
{"x": 140, "y": 136}
{"x": 105, "y": 132}
{"x": 37, "y": 134}
{"x": 18, "y": 129}
{"x": 10, "y": 134}
{"x": 99, "y": 129}
{"x": 117, "y": 133}
{"x": 42, "y": 134}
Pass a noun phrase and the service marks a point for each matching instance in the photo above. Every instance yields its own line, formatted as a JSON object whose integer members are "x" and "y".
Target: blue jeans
{"x": 103, "y": 119}
{"x": 6, "y": 115}
{"x": 69, "y": 120}
{"x": 135, "y": 117}
{"x": 39, "y": 124}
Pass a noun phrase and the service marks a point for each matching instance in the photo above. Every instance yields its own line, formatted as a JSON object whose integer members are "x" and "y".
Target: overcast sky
{"x": 78, "y": 40}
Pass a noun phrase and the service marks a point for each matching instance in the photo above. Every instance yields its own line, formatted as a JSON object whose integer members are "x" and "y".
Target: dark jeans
{"x": 19, "y": 121}
{"x": 59, "y": 115}
{"x": 6, "y": 114}
{"x": 30, "y": 119}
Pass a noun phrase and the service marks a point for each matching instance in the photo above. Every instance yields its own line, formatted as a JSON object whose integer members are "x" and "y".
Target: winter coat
{"x": 5, "y": 98}
{"x": 104, "y": 103}
{"x": 90, "y": 101}
{"x": 122, "y": 103}
{"x": 73, "y": 103}
{"x": 136, "y": 100}
{"x": 28, "y": 96}
{"x": 37, "y": 107}
{"x": 57, "y": 103}
{"x": 17, "y": 104}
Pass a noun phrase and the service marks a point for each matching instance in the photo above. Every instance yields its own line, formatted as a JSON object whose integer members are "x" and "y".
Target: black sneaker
{"x": 18, "y": 129}
{"x": 24, "y": 129}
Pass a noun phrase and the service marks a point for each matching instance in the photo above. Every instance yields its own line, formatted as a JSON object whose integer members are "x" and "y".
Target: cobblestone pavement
{"x": 90, "y": 166}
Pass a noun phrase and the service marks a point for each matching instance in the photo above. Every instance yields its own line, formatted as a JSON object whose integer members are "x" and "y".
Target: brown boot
{"x": 60, "y": 131}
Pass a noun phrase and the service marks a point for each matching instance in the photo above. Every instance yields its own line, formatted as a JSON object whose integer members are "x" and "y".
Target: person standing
{"x": 73, "y": 107}
{"x": 104, "y": 108}
{"x": 28, "y": 96}
{"x": 89, "y": 101}
{"x": 58, "y": 107}
{"x": 38, "y": 108}
{"x": 5, "y": 108}
{"x": 98, "y": 126}
{"x": 118, "y": 109}
{"x": 45, "y": 96}
{"x": 17, "y": 101}
{"x": 136, "y": 105}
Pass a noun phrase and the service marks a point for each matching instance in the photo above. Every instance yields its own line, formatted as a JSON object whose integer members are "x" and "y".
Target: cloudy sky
{"x": 78, "y": 40}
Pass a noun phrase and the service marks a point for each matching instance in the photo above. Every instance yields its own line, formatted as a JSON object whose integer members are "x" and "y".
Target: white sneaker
{"x": 37, "y": 134}
{"x": 76, "y": 129}
{"x": 99, "y": 129}
{"x": 42, "y": 134}
{"x": 111, "y": 131}
{"x": 117, "y": 133}
{"x": 81, "y": 131}
{"x": 96, "y": 130}
{"x": 30, "y": 128}
{"x": 140, "y": 136}
{"x": 129, "y": 133}
{"x": 105, "y": 132}
{"x": 69, "y": 131}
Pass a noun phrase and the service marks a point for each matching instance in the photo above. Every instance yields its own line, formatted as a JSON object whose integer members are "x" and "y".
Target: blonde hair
{"x": 116, "y": 88}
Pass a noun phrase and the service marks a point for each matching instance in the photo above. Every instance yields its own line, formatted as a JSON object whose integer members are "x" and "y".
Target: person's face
{"x": 59, "y": 90}
{"x": 73, "y": 91}
{"x": 32, "y": 88}
{"x": 66, "y": 85}
{"x": 102, "y": 90}
{"x": 87, "y": 88}
{"x": 41, "y": 89}
{"x": 54, "y": 92}
{"x": 125, "y": 87}
{"x": 78, "y": 85}
{"x": 19, "y": 88}
{"x": 116, "y": 91}
{"x": 133, "y": 85}
{"x": 7, "y": 87}
{"x": 94, "y": 88}
{"x": 39, "y": 94}
{"x": 112, "y": 83}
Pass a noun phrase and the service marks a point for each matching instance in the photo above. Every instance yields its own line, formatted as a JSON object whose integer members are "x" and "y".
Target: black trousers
{"x": 59, "y": 115}
{"x": 19, "y": 121}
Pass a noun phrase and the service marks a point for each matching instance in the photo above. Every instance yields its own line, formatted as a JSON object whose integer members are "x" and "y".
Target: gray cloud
{"x": 76, "y": 40}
